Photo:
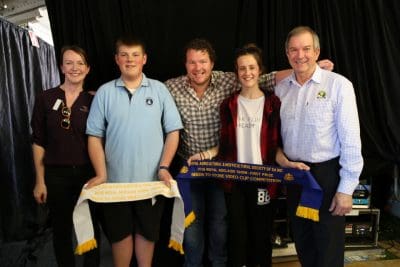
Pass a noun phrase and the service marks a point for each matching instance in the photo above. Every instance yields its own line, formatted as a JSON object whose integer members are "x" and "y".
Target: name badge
{"x": 57, "y": 104}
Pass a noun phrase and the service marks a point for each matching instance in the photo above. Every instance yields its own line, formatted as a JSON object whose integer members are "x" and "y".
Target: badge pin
{"x": 321, "y": 94}
{"x": 57, "y": 104}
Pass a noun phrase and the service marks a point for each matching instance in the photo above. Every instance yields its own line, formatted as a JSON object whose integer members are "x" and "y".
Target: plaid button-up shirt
{"x": 200, "y": 116}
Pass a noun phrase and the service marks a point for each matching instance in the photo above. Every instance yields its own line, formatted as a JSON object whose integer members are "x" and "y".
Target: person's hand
{"x": 40, "y": 193}
{"x": 196, "y": 156}
{"x": 341, "y": 204}
{"x": 165, "y": 176}
{"x": 326, "y": 64}
{"x": 298, "y": 165}
{"x": 95, "y": 181}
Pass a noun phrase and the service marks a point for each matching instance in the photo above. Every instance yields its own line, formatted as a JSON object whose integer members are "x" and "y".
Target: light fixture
{"x": 3, "y": 5}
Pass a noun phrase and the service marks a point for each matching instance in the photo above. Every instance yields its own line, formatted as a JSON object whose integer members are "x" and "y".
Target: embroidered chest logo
{"x": 321, "y": 95}
{"x": 149, "y": 101}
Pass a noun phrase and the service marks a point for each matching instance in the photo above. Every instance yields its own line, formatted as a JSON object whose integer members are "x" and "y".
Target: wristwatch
{"x": 163, "y": 168}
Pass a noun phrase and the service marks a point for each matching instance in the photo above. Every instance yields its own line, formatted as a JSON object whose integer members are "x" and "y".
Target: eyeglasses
{"x": 66, "y": 121}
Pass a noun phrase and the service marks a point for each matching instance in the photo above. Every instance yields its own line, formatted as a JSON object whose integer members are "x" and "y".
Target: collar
{"x": 316, "y": 77}
{"x": 145, "y": 82}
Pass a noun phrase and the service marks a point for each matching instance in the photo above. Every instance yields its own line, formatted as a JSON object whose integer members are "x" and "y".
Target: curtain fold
{"x": 25, "y": 70}
{"x": 360, "y": 37}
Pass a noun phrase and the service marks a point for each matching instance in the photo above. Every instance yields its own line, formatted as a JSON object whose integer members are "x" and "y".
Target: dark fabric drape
{"x": 164, "y": 25}
{"x": 25, "y": 70}
{"x": 360, "y": 37}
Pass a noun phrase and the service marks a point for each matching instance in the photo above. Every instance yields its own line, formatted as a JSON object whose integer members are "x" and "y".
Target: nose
{"x": 197, "y": 66}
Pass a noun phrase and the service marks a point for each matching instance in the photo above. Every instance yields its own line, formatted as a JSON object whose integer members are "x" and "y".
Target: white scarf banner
{"x": 121, "y": 192}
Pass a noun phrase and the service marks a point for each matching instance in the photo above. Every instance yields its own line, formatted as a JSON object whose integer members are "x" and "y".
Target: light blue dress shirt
{"x": 320, "y": 122}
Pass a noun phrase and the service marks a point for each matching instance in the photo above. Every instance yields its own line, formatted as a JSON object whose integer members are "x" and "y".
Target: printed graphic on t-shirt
{"x": 263, "y": 197}
{"x": 248, "y": 122}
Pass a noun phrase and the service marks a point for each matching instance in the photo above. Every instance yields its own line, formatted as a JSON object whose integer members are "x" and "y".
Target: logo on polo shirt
{"x": 149, "y": 101}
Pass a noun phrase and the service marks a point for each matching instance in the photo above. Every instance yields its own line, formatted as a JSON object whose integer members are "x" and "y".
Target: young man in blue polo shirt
{"x": 133, "y": 129}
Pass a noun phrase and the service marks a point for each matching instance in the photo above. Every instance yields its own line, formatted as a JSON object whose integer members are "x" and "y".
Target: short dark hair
{"x": 200, "y": 44}
{"x": 129, "y": 41}
{"x": 77, "y": 49}
{"x": 250, "y": 49}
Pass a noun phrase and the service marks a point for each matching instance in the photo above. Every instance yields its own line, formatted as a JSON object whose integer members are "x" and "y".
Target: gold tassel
{"x": 176, "y": 246}
{"x": 189, "y": 219}
{"x": 308, "y": 213}
{"x": 85, "y": 247}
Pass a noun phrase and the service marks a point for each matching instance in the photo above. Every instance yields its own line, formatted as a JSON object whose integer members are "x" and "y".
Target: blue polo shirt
{"x": 133, "y": 127}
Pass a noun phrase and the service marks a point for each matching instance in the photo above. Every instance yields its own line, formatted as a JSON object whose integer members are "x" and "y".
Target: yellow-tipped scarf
{"x": 120, "y": 192}
{"x": 311, "y": 195}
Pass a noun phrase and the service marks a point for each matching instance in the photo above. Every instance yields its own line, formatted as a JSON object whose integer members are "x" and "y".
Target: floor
{"x": 38, "y": 252}
{"x": 387, "y": 254}
{"x": 383, "y": 263}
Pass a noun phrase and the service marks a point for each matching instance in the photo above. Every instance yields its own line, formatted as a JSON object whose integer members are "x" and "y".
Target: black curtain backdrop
{"x": 360, "y": 37}
{"x": 25, "y": 70}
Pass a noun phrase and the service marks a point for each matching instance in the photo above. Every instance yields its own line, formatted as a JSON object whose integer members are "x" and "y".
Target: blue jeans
{"x": 208, "y": 203}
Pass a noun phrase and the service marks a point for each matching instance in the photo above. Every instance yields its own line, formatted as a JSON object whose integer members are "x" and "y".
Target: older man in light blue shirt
{"x": 320, "y": 127}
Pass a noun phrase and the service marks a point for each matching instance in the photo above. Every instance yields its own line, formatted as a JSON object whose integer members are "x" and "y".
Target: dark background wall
{"x": 360, "y": 37}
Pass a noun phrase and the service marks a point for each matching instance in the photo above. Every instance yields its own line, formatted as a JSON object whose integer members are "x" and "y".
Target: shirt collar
{"x": 316, "y": 77}
{"x": 145, "y": 82}
{"x": 213, "y": 79}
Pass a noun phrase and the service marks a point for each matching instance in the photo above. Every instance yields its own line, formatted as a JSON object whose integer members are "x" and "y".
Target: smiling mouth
{"x": 299, "y": 62}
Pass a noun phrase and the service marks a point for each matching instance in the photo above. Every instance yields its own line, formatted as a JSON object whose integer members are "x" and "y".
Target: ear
{"x": 144, "y": 59}
{"x": 317, "y": 53}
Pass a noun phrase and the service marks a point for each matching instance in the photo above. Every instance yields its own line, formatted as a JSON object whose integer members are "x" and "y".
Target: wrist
{"x": 209, "y": 154}
{"x": 163, "y": 167}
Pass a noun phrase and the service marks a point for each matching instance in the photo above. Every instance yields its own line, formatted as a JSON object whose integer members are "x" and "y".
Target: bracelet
{"x": 209, "y": 154}
{"x": 163, "y": 168}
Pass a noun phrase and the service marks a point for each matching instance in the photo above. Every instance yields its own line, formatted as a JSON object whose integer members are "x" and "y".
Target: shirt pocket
{"x": 319, "y": 112}
{"x": 287, "y": 111}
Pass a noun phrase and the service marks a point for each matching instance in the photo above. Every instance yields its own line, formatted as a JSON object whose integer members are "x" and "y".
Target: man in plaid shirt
{"x": 198, "y": 96}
